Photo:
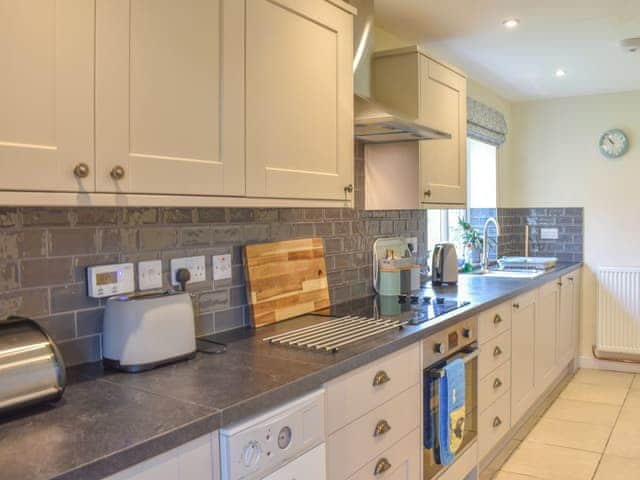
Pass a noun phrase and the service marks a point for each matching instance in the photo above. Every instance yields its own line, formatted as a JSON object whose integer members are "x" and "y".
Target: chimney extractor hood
{"x": 375, "y": 123}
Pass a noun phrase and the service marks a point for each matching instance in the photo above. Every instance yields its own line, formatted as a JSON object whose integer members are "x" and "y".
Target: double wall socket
{"x": 195, "y": 265}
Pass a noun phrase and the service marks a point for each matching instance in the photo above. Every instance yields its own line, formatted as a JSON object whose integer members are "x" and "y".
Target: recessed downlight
{"x": 511, "y": 23}
{"x": 560, "y": 73}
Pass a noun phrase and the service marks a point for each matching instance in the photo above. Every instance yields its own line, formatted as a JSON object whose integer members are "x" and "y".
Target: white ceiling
{"x": 580, "y": 36}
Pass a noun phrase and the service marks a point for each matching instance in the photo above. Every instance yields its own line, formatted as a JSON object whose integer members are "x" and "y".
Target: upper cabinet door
{"x": 46, "y": 94}
{"x": 169, "y": 96}
{"x": 299, "y": 99}
{"x": 443, "y": 104}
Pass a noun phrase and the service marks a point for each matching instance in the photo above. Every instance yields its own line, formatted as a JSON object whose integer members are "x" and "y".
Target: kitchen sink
{"x": 511, "y": 273}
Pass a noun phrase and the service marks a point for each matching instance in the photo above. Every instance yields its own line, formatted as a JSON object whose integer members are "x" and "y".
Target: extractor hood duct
{"x": 375, "y": 123}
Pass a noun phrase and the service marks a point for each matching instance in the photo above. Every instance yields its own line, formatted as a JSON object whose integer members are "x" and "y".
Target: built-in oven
{"x": 439, "y": 349}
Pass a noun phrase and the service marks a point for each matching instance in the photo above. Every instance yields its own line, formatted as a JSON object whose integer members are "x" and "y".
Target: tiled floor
{"x": 590, "y": 432}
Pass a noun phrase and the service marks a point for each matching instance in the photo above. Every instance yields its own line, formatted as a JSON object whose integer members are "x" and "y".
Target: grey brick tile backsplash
{"x": 44, "y": 253}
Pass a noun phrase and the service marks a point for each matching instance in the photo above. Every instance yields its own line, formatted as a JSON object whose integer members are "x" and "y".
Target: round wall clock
{"x": 613, "y": 143}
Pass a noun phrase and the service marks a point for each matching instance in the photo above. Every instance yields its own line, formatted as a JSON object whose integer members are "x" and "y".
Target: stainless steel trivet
{"x": 335, "y": 333}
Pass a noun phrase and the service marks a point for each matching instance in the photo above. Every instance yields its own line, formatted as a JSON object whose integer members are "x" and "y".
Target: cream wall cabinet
{"x": 196, "y": 460}
{"x": 169, "y": 97}
{"x": 197, "y": 102}
{"x": 436, "y": 94}
{"x": 299, "y": 99}
{"x": 46, "y": 95}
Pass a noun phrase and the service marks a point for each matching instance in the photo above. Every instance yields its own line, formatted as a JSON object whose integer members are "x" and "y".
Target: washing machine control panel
{"x": 262, "y": 444}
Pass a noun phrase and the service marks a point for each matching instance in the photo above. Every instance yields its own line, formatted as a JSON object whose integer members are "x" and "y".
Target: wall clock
{"x": 613, "y": 143}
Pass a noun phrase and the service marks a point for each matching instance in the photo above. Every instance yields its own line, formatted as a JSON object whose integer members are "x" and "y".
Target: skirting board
{"x": 597, "y": 364}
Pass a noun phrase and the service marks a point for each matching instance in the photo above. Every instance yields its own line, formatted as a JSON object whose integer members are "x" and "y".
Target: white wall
{"x": 555, "y": 162}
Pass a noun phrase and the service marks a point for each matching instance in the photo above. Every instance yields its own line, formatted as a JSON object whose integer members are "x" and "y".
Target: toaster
{"x": 142, "y": 332}
{"x": 444, "y": 264}
{"x": 32, "y": 370}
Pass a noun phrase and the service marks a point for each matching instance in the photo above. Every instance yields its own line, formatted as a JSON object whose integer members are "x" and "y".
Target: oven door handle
{"x": 466, "y": 356}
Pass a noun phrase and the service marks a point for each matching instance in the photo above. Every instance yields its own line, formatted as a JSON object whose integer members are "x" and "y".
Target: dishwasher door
{"x": 310, "y": 466}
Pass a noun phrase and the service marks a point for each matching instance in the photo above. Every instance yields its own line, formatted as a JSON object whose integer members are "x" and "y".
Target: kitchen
{"x": 193, "y": 226}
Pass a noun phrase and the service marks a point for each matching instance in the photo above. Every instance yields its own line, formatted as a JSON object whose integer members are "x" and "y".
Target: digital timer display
{"x": 106, "y": 278}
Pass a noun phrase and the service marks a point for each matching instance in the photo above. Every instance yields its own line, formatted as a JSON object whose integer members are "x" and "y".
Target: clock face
{"x": 613, "y": 143}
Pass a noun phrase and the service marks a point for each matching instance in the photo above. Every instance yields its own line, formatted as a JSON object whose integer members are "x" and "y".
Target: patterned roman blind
{"x": 485, "y": 124}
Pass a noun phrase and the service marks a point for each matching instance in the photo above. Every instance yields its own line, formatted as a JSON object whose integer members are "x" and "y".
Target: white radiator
{"x": 618, "y": 314}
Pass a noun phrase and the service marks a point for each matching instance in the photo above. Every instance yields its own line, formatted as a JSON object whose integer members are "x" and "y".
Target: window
{"x": 481, "y": 193}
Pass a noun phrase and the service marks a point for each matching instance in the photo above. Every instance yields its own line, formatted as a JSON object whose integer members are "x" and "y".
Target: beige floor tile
{"x": 524, "y": 430}
{"x": 603, "y": 377}
{"x": 503, "y": 455}
{"x": 635, "y": 385}
{"x": 583, "y": 436}
{"x": 617, "y": 468}
{"x": 587, "y": 392}
{"x": 549, "y": 462}
{"x": 633, "y": 399}
{"x": 625, "y": 439}
{"x": 512, "y": 476}
{"x": 587, "y": 412}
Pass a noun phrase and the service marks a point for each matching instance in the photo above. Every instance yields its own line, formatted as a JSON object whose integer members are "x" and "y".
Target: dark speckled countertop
{"x": 109, "y": 421}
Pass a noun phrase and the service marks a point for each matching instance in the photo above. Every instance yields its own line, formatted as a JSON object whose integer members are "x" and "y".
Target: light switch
{"x": 221, "y": 267}
{"x": 150, "y": 275}
{"x": 548, "y": 233}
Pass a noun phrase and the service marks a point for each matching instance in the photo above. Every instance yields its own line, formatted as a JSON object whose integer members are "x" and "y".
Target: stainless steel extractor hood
{"x": 374, "y": 122}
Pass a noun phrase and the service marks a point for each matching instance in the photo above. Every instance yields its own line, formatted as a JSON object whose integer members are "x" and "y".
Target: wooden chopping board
{"x": 285, "y": 279}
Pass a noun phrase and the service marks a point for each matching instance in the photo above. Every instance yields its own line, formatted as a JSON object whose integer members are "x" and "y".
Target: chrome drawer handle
{"x": 381, "y": 428}
{"x": 497, "y": 351}
{"x": 516, "y": 306}
{"x": 81, "y": 170}
{"x": 381, "y": 378}
{"x": 497, "y": 319}
{"x": 497, "y": 422}
{"x": 497, "y": 383}
{"x": 382, "y": 466}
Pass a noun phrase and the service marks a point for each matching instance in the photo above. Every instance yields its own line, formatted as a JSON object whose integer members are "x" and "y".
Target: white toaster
{"x": 146, "y": 331}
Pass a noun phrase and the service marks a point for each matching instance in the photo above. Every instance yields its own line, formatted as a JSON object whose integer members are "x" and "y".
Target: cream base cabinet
{"x": 169, "y": 97}
{"x": 420, "y": 87}
{"x": 523, "y": 329}
{"x": 547, "y": 322}
{"x": 46, "y": 95}
{"x": 196, "y": 460}
{"x": 568, "y": 319}
{"x": 299, "y": 99}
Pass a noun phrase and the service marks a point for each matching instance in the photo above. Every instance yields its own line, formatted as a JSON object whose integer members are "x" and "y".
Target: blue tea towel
{"x": 428, "y": 420}
{"x": 452, "y": 411}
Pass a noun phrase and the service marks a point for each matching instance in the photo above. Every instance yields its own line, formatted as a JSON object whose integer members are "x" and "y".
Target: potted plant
{"x": 471, "y": 240}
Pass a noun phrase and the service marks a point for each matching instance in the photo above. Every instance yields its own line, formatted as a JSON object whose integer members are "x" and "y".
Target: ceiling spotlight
{"x": 511, "y": 23}
{"x": 560, "y": 73}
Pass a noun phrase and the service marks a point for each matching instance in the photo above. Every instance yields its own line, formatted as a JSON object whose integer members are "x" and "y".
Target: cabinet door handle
{"x": 516, "y": 305}
{"x": 497, "y": 351}
{"x": 381, "y": 378}
{"x": 497, "y": 319}
{"x": 81, "y": 170}
{"x": 560, "y": 283}
{"x": 571, "y": 279}
{"x": 497, "y": 383}
{"x": 382, "y": 427}
{"x": 382, "y": 466}
{"x": 117, "y": 172}
{"x": 348, "y": 188}
{"x": 427, "y": 193}
{"x": 497, "y": 422}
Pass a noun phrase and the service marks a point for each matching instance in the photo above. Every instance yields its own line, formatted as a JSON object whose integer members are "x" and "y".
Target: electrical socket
{"x": 150, "y": 275}
{"x": 195, "y": 265}
{"x": 549, "y": 234}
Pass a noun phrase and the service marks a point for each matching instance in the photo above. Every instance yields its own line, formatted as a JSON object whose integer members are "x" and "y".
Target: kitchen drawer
{"x": 356, "y": 393}
{"x": 494, "y": 353}
{"x": 403, "y": 459}
{"x": 494, "y": 385}
{"x": 493, "y": 424}
{"x": 355, "y": 445}
{"x": 494, "y": 322}
{"x": 463, "y": 465}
